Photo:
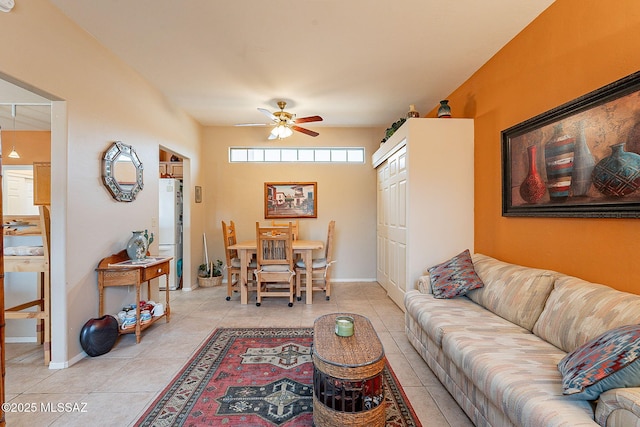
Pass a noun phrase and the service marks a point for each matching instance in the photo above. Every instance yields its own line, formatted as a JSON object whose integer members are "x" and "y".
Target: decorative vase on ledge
{"x": 412, "y": 112}
{"x": 444, "y": 111}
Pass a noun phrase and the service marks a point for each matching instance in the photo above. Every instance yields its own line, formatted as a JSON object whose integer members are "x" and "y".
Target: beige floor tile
{"x": 20, "y": 377}
{"x": 403, "y": 370}
{"x": 118, "y": 386}
{"x": 151, "y": 376}
{"x": 402, "y": 341}
{"x": 425, "y": 407}
{"x": 123, "y": 409}
{"x": 454, "y": 415}
{"x": 394, "y": 322}
{"x": 43, "y": 408}
{"x": 421, "y": 370}
{"x": 388, "y": 343}
{"x": 83, "y": 377}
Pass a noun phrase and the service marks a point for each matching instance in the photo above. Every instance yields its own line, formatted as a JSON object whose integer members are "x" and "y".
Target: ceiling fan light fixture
{"x": 285, "y": 123}
{"x": 281, "y": 131}
{"x": 6, "y": 5}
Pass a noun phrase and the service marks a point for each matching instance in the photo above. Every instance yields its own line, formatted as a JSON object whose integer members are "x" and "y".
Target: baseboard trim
{"x": 63, "y": 365}
{"x": 15, "y": 340}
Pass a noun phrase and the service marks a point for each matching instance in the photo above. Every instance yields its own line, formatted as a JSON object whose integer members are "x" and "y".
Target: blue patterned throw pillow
{"x": 454, "y": 277}
{"x": 608, "y": 361}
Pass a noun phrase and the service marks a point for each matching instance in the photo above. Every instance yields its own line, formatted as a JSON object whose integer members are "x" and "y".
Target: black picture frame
{"x": 586, "y": 154}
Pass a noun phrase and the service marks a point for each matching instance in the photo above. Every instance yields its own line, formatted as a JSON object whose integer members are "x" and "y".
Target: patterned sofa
{"x": 497, "y": 348}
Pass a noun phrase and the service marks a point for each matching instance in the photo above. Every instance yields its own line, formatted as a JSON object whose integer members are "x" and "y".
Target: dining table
{"x": 304, "y": 248}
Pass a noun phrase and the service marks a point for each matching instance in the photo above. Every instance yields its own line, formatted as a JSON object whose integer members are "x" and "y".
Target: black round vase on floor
{"x": 98, "y": 336}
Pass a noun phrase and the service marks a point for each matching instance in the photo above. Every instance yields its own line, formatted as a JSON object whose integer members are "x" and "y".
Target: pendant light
{"x": 14, "y": 154}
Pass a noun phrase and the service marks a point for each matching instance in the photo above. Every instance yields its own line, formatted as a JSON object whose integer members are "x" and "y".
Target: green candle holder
{"x": 344, "y": 326}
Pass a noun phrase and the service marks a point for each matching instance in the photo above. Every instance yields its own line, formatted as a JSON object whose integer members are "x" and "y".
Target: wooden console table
{"x": 115, "y": 271}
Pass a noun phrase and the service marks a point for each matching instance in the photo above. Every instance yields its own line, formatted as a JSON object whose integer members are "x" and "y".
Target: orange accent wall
{"x": 32, "y": 146}
{"x": 574, "y": 47}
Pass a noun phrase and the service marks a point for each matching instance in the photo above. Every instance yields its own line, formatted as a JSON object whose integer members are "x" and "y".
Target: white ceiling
{"x": 354, "y": 62}
{"x": 33, "y": 112}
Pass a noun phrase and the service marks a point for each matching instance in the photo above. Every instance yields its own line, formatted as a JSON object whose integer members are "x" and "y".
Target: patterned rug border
{"x": 220, "y": 337}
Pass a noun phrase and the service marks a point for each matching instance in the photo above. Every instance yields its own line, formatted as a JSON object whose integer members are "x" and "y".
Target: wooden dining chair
{"x": 274, "y": 272}
{"x": 233, "y": 260}
{"x": 321, "y": 274}
{"x": 294, "y": 224}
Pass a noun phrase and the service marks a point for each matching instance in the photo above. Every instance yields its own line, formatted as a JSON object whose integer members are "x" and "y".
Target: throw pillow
{"x": 611, "y": 360}
{"x": 454, "y": 277}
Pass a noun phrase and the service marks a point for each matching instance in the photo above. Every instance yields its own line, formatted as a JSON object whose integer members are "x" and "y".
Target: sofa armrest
{"x": 619, "y": 407}
{"x": 424, "y": 284}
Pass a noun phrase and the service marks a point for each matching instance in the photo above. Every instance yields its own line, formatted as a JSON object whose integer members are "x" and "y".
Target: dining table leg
{"x": 307, "y": 257}
{"x": 244, "y": 267}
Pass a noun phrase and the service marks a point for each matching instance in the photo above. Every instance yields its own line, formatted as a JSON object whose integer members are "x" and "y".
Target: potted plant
{"x": 210, "y": 274}
{"x": 203, "y": 270}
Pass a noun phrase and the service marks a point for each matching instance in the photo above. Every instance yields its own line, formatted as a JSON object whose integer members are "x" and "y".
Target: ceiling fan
{"x": 285, "y": 123}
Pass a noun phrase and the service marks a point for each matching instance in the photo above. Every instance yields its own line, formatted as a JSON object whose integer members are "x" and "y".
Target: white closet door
{"x": 392, "y": 223}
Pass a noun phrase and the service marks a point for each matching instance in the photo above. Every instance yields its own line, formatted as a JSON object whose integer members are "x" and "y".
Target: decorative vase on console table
{"x": 444, "y": 111}
{"x": 137, "y": 246}
{"x": 532, "y": 188}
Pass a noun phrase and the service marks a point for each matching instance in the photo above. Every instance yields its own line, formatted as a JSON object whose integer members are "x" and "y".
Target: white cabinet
{"x": 171, "y": 169}
{"x": 424, "y": 199}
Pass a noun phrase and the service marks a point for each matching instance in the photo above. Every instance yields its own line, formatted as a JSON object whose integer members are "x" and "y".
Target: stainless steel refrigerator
{"x": 170, "y": 229}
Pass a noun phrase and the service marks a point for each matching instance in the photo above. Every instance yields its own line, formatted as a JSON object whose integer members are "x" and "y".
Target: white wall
{"x": 103, "y": 101}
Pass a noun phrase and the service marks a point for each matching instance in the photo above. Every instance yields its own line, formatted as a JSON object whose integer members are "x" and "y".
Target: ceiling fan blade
{"x": 305, "y": 131}
{"x": 268, "y": 114}
{"x": 308, "y": 119}
{"x": 252, "y": 124}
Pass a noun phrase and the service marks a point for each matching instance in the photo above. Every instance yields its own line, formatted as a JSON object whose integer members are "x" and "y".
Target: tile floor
{"x": 114, "y": 389}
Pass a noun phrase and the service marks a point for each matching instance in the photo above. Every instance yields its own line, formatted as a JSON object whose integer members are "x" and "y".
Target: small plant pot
{"x": 208, "y": 282}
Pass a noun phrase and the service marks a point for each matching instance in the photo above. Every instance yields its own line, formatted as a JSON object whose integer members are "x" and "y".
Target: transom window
{"x": 309, "y": 155}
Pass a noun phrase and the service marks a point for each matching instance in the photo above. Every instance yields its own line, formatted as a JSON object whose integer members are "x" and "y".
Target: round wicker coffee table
{"x": 347, "y": 374}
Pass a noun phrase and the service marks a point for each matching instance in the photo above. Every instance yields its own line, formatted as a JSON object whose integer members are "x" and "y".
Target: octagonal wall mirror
{"x": 122, "y": 172}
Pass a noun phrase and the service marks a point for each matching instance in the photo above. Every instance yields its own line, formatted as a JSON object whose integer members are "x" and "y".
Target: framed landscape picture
{"x": 290, "y": 200}
{"x": 581, "y": 159}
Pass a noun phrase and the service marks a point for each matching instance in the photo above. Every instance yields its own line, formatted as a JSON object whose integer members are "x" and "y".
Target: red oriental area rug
{"x": 254, "y": 377}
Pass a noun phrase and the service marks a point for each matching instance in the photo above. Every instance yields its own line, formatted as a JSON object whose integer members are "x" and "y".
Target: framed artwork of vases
{"x": 581, "y": 159}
